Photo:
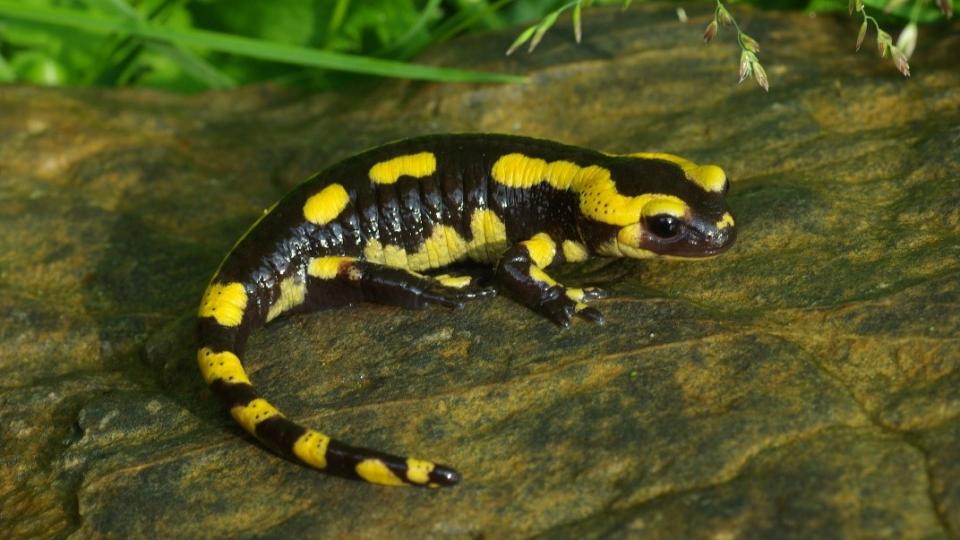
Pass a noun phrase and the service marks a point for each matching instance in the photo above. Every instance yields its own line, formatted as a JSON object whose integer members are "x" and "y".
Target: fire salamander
{"x": 369, "y": 227}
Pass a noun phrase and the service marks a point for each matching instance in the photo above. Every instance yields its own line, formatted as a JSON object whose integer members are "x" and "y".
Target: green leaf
{"x": 254, "y": 48}
{"x": 577, "y": 29}
{"x": 522, "y": 38}
{"x": 35, "y": 67}
{"x": 542, "y": 28}
{"x": 861, "y": 34}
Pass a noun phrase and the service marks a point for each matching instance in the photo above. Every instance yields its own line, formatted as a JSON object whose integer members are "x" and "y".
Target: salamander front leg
{"x": 521, "y": 274}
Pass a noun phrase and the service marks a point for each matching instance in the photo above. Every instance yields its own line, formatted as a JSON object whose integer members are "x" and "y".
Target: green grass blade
{"x": 254, "y": 48}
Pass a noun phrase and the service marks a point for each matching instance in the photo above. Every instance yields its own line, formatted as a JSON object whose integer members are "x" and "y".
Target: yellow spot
{"x": 574, "y": 251}
{"x": 221, "y": 365}
{"x": 253, "y": 413}
{"x": 630, "y": 236}
{"x": 395, "y": 256}
{"x": 628, "y": 243}
{"x": 454, "y": 282}
{"x": 325, "y": 206}
{"x": 725, "y": 221}
{"x": 519, "y": 171}
{"x": 225, "y": 303}
{"x": 327, "y": 267}
{"x": 542, "y": 249}
{"x": 575, "y": 294}
{"x": 709, "y": 177}
{"x": 445, "y": 246}
{"x": 311, "y": 448}
{"x": 373, "y": 251}
{"x": 664, "y": 205}
{"x": 430, "y": 248}
{"x": 539, "y": 275}
{"x": 415, "y": 165}
{"x": 663, "y": 156}
{"x": 376, "y": 472}
{"x": 389, "y": 255}
{"x": 599, "y": 198}
{"x": 489, "y": 237}
{"x": 292, "y": 294}
{"x": 418, "y": 470}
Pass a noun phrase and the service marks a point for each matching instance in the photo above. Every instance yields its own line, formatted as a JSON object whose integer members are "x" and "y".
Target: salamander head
{"x": 669, "y": 207}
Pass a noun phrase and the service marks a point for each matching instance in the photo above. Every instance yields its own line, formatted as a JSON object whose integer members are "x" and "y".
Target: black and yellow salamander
{"x": 367, "y": 228}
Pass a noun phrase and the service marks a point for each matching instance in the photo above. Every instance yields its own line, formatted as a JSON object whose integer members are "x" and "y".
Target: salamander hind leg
{"x": 521, "y": 273}
{"x": 398, "y": 287}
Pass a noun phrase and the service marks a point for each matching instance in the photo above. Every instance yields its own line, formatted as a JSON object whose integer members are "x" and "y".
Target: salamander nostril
{"x": 724, "y": 238}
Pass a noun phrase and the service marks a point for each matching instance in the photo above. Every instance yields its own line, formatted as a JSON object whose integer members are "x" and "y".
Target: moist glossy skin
{"x": 368, "y": 227}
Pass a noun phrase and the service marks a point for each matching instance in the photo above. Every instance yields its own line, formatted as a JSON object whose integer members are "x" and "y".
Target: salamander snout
{"x": 707, "y": 237}
{"x": 718, "y": 237}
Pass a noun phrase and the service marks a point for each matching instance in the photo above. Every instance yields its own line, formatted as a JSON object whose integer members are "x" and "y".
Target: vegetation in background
{"x": 913, "y": 11}
{"x": 191, "y": 45}
{"x": 534, "y": 33}
{"x": 749, "y": 63}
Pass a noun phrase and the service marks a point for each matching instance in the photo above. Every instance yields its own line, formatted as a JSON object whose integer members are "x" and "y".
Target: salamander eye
{"x": 726, "y": 187}
{"x": 663, "y": 225}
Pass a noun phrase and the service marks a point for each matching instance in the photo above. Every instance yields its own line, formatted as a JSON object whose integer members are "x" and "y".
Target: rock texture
{"x": 803, "y": 385}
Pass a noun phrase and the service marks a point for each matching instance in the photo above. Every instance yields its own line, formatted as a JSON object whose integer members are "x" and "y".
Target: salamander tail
{"x": 223, "y": 371}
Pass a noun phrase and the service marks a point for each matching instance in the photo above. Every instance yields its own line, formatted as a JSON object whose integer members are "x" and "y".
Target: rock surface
{"x": 803, "y": 385}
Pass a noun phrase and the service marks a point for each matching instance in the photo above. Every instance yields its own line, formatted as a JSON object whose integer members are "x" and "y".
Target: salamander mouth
{"x": 711, "y": 244}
